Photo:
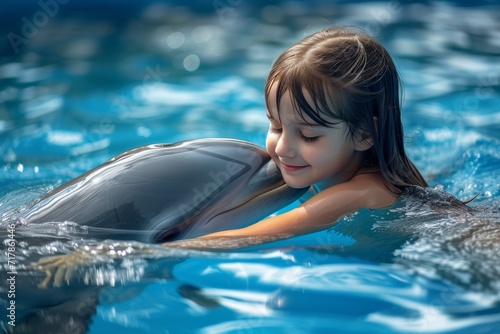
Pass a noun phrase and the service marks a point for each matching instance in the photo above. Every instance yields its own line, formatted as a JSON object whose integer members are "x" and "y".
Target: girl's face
{"x": 309, "y": 154}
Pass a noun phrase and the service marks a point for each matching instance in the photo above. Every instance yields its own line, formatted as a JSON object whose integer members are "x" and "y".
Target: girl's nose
{"x": 285, "y": 146}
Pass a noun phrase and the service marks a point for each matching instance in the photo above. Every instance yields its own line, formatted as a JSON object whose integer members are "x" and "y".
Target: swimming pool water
{"x": 98, "y": 78}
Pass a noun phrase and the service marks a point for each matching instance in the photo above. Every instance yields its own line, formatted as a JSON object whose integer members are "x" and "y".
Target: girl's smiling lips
{"x": 291, "y": 168}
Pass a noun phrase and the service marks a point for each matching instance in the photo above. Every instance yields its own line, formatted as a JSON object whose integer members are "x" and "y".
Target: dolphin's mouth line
{"x": 257, "y": 196}
{"x": 174, "y": 231}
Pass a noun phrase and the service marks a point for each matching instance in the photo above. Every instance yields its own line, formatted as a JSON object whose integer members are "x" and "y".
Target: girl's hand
{"x": 61, "y": 268}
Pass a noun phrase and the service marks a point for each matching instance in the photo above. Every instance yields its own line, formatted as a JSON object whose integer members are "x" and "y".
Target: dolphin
{"x": 163, "y": 192}
{"x": 151, "y": 194}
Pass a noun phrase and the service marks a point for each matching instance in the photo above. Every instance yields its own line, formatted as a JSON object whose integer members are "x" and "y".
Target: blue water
{"x": 97, "y": 78}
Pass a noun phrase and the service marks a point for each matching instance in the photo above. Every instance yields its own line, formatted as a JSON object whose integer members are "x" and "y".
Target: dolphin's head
{"x": 161, "y": 192}
{"x": 241, "y": 185}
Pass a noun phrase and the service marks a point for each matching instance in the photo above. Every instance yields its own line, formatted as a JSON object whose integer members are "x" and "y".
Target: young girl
{"x": 333, "y": 105}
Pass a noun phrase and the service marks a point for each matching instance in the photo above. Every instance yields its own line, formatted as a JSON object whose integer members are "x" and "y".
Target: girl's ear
{"x": 363, "y": 140}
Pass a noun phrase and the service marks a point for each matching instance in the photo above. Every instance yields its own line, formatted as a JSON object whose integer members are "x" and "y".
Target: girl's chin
{"x": 296, "y": 184}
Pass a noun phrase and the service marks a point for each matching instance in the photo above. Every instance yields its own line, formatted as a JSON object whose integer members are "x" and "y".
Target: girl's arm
{"x": 318, "y": 213}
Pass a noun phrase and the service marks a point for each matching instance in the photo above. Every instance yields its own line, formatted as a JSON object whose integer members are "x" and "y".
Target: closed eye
{"x": 309, "y": 139}
{"x": 304, "y": 138}
{"x": 275, "y": 130}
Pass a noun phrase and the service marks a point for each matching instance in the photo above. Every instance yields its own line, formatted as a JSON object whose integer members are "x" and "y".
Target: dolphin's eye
{"x": 169, "y": 235}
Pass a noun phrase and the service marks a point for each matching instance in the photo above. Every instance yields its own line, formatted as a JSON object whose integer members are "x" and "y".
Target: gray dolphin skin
{"x": 151, "y": 194}
{"x": 163, "y": 192}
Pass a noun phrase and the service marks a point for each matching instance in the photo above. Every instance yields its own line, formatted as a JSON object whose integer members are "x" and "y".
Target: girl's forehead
{"x": 291, "y": 115}
{"x": 288, "y": 108}
{"x": 288, "y": 103}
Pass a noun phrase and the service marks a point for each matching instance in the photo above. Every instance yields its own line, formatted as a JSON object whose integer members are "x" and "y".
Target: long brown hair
{"x": 351, "y": 78}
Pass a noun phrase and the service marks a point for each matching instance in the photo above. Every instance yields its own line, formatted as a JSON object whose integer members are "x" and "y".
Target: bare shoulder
{"x": 367, "y": 190}
{"x": 376, "y": 192}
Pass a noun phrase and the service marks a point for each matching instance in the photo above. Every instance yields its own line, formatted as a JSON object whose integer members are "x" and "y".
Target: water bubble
{"x": 176, "y": 40}
{"x": 191, "y": 63}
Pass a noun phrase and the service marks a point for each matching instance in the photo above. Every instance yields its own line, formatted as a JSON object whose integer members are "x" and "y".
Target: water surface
{"x": 99, "y": 78}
